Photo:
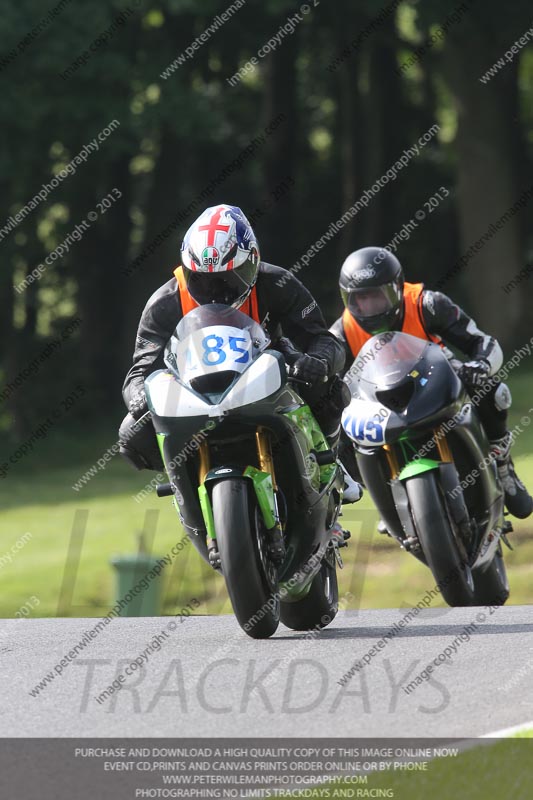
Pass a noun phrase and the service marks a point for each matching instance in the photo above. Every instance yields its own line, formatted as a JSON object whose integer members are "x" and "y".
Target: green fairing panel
{"x": 305, "y": 419}
{"x": 418, "y": 467}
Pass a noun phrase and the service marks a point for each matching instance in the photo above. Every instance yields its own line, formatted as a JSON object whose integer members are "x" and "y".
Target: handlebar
{"x": 294, "y": 378}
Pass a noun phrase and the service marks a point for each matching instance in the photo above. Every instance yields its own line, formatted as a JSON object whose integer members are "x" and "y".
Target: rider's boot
{"x": 353, "y": 491}
{"x": 517, "y": 499}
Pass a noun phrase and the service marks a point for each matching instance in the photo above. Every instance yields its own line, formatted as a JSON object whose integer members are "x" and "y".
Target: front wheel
{"x": 319, "y": 607}
{"x": 439, "y": 545}
{"x": 251, "y": 579}
{"x": 491, "y": 587}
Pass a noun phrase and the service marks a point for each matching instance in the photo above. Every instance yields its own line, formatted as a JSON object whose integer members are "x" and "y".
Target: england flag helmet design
{"x": 220, "y": 257}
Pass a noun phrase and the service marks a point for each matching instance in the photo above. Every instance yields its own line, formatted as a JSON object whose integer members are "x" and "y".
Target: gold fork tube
{"x": 443, "y": 447}
{"x": 264, "y": 454}
{"x": 392, "y": 461}
{"x": 205, "y": 461}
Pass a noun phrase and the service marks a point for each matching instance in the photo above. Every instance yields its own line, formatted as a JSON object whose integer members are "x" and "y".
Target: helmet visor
{"x": 226, "y": 287}
{"x": 372, "y": 301}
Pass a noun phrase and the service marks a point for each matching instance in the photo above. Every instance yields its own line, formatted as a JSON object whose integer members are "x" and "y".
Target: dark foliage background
{"x": 346, "y": 119}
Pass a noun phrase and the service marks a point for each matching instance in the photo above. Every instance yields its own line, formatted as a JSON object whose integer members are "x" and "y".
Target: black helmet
{"x": 371, "y": 283}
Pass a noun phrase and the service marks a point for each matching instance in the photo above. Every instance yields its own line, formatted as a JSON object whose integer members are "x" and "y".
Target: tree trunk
{"x": 280, "y": 151}
{"x": 488, "y": 183}
{"x": 101, "y": 301}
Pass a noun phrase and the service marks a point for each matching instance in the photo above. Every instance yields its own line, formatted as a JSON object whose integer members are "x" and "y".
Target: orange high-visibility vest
{"x": 413, "y": 322}
{"x": 249, "y": 307}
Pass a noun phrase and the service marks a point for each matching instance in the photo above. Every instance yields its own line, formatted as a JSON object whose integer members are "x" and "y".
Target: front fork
{"x": 204, "y": 458}
{"x": 266, "y": 464}
{"x": 441, "y": 444}
{"x": 265, "y": 487}
{"x": 449, "y": 478}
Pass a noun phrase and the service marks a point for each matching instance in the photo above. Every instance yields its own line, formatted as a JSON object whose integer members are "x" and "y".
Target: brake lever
{"x": 294, "y": 379}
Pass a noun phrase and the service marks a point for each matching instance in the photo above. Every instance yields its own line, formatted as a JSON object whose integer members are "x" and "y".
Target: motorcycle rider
{"x": 378, "y": 299}
{"x": 220, "y": 263}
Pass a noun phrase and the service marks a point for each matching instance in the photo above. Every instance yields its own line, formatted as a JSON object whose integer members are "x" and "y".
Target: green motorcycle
{"x": 255, "y": 485}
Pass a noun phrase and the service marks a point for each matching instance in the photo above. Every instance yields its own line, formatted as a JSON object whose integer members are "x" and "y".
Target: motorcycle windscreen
{"x": 214, "y": 341}
{"x": 386, "y": 359}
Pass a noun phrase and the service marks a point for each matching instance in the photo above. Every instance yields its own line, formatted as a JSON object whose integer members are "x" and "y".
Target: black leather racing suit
{"x": 442, "y": 317}
{"x": 286, "y": 309}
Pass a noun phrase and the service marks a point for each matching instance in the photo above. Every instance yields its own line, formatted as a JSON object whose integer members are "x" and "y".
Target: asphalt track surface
{"x": 210, "y": 679}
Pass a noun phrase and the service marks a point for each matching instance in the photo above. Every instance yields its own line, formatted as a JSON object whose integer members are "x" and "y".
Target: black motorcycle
{"x": 424, "y": 458}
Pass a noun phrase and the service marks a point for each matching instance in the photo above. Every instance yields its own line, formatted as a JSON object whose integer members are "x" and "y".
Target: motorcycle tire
{"x": 437, "y": 540}
{"x": 320, "y": 605}
{"x": 250, "y": 579}
{"x": 491, "y": 587}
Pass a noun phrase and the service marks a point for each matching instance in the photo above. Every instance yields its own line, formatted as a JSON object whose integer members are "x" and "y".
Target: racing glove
{"x": 138, "y": 404}
{"x": 311, "y": 369}
{"x": 475, "y": 373}
{"x": 288, "y": 350}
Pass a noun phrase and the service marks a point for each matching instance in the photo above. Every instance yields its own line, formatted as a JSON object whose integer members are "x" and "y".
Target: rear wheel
{"x": 319, "y": 607}
{"x": 251, "y": 578}
{"x": 491, "y": 587}
{"x": 442, "y": 550}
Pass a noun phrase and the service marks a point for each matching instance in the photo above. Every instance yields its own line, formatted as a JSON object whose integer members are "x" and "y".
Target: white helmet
{"x": 220, "y": 257}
